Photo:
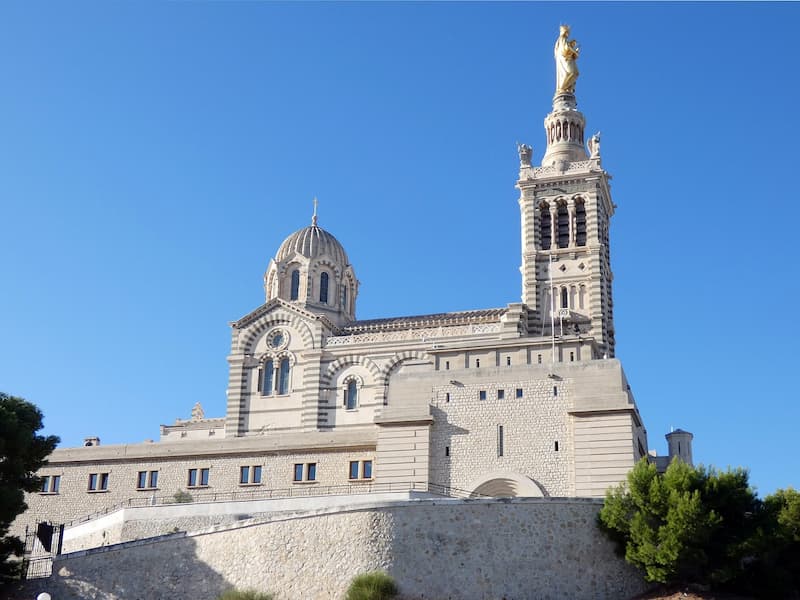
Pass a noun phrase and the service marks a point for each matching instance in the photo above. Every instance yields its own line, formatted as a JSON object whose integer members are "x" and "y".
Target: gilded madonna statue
{"x": 566, "y": 54}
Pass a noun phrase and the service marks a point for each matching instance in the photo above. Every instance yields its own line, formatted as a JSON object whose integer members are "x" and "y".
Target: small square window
{"x": 519, "y": 393}
{"x": 501, "y": 394}
{"x": 198, "y": 477}
{"x": 482, "y": 395}
{"x": 146, "y": 480}
{"x": 98, "y": 482}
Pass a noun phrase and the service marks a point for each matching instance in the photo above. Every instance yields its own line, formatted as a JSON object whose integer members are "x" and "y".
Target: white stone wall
{"x": 465, "y": 550}
{"x": 468, "y": 426}
{"x": 74, "y": 501}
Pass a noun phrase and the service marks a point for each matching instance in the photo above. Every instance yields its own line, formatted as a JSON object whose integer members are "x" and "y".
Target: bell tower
{"x": 566, "y": 208}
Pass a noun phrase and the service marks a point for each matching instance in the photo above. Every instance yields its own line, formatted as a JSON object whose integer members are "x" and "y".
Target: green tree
{"x": 689, "y": 525}
{"x": 22, "y": 453}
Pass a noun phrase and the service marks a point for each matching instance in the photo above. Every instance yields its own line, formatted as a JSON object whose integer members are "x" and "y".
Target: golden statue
{"x": 566, "y": 54}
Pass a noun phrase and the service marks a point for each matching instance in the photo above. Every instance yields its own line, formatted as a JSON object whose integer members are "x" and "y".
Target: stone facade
{"x": 437, "y": 550}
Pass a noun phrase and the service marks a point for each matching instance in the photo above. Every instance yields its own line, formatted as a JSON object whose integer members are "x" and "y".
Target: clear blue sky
{"x": 153, "y": 157}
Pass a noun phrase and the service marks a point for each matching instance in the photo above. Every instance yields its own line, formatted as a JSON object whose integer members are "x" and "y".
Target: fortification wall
{"x": 436, "y": 549}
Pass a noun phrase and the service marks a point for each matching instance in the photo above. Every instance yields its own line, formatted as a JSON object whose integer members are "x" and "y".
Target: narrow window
{"x": 571, "y": 357}
{"x": 153, "y": 479}
{"x": 295, "y": 292}
{"x": 344, "y": 297}
{"x": 353, "y": 469}
{"x": 545, "y": 228}
{"x": 256, "y": 474}
{"x": 508, "y": 361}
{"x": 267, "y": 376}
{"x": 580, "y": 224}
{"x": 499, "y": 440}
{"x": 519, "y": 393}
{"x": 244, "y": 475}
{"x": 556, "y": 446}
{"x": 447, "y": 450}
{"x": 55, "y": 483}
{"x": 351, "y": 395}
{"x": 555, "y": 390}
{"x": 312, "y": 472}
{"x": 204, "y": 476}
{"x": 564, "y": 298}
{"x": 323, "y": 288}
{"x": 103, "y": 481}
{"x": 482, "y": 395}
{"x": 539, "y": 358}
{"x": 477, "y": 363}
{"x": 192, "y": 481}
{"x": 563, "y": 226}
{"x": 283, "y": 377}
{"x": 93, "y": 481}
{"x": 141, "y": 481}
{"x": 447, "y": 397}
{"x": 501, "y": 394}
{"x": 447, "y": 365}
{"x": 367, "y": 470}
{"x": 298, "y": 472}
{"x": 45, "y": 484}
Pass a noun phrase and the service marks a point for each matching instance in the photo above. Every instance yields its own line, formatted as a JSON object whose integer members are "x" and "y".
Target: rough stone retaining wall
{"x": 436, "y": 549}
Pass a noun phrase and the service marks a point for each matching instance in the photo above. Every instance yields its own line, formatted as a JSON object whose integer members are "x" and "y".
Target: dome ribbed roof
{"x": 312, "y": 241}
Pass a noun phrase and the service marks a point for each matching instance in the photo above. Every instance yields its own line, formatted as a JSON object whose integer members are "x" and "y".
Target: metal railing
{"x": 304, "y": 490}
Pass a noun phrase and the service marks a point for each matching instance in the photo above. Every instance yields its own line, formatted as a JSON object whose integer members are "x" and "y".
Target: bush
{"x": 372, "y": 586}
{"x": 234, "y": 594}
{"x": 182, "y": 497}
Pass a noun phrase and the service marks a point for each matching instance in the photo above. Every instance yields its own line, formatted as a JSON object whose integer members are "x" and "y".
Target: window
{"x": 147, "y": 480}
{"x": 267, "y": 377}
{"x": 447, "y": 365}
{"x": 564, "y": 298}
{"x": 360, "y": 469}
{"x": 308, "y": 469}
{"x": 351, "y": 395}
{"x": 500, "y": 440}
{"x": 563, "y": 226}
{"x": 283, "y": 377}
{"x": 555, "y": 390}
{"x": 556, "y": 446}
{"x": 50, "y": 484}
{"x": 447, "y": 397}
{"x": 295, "y": 292}
{"x": 508, "y": 361}
{"x": 477, "y": 363}
{"x": 98, "y": 482}
{"x": 580, "y": 224}
{"x": 571, "y": 357}
{"x": 344, "y": 297}
{"x": 250, "y": 475}
{"x": 519, "y": 393}
{"x": 539, "y": 358}
{"x": 198, "y": 478}
{"x": 323, "y": 288}
{"x": 447, "y": 450}
{"x": 482, "y": 395}
{"x": 501, "y": 394}
{"x": 545, "y": 229}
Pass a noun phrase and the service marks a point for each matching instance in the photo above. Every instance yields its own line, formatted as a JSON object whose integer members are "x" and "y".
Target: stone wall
{"x": 436, "y": 549}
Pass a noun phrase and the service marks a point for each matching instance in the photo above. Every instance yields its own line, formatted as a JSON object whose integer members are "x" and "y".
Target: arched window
{"x": 295, "y": 293}
{"x": 351, "y": 395}
{"x": 323, "y": 288}
{"x": 545, "y": 227}
{"x": 344, "y": 297}
{"x": 564, "y": 298}
{"x": 580, "y": 224}
{"x": 563, "y": 226}
{"x": 267, "y": 377}
{"x": 283, "y": 376}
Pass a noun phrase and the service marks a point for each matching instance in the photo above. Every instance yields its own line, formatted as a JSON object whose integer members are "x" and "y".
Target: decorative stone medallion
{"x": 277, "y": 339}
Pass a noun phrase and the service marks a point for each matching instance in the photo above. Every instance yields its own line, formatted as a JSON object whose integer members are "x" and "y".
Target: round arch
{"x": 506, "y": 484}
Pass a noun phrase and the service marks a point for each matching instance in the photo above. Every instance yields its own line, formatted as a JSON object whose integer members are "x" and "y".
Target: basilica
{"x": 527, "y": 399}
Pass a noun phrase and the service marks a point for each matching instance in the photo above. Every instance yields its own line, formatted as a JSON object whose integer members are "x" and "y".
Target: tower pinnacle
{"x": 314, "y": 216}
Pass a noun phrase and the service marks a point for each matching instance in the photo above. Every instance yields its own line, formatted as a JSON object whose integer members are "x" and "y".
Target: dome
{"x": 312, "y": 241}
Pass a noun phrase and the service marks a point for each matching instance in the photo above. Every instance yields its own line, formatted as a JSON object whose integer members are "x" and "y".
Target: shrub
{"x": 234, "y": 594}
{"x": 181, "y": 497}
{"x": 372, "y": 586}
